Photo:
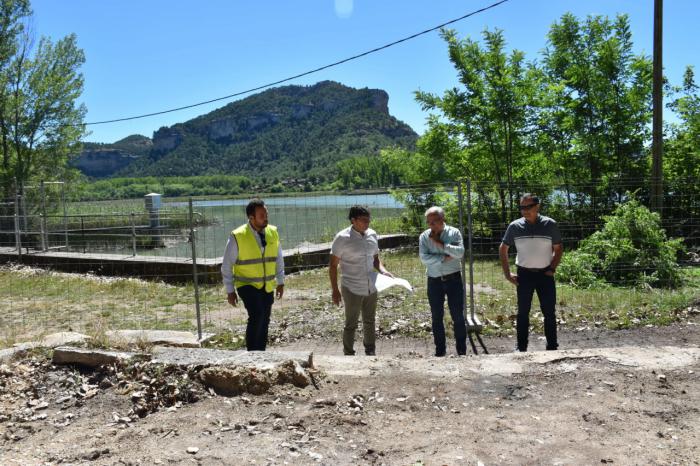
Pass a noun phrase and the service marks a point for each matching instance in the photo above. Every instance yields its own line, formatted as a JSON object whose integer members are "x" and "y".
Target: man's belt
{"x": 527, "y": 269}
{"x": 447, "y": 277}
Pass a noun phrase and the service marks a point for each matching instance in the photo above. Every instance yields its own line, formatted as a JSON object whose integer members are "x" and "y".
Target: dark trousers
{"x": 437, "y": 290}
{"x": 535, "y": 281}
{"x": 258, "y": 303}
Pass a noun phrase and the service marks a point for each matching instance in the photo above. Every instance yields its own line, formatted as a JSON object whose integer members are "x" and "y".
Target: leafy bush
{"x": 631, "y": 250}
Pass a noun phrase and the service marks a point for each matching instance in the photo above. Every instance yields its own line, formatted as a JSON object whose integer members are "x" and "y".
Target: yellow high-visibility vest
{"x": 252, "y": 267}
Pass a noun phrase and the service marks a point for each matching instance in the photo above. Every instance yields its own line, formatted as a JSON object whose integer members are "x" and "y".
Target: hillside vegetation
{"x": 280, "y": 134}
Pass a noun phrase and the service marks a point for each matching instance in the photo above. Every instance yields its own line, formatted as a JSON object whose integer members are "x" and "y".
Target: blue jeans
{"x": 437, "y": 290}
{"x": 258, "y": 303}
{"x": 530, "y": 282}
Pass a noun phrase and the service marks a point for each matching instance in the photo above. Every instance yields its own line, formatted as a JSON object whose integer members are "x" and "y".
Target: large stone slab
{"x": 63, "y": 339}
{"x": 153, "y": 337}
{"x": 17, "y": 350}
{"x": 262, "y": 360}
{"x": 226, "y": 380}
{"x": 88, "y": 357}
{"x": 227, "y": 372}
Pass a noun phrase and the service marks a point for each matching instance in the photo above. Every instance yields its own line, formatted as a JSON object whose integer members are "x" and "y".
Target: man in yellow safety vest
{"x": 253, "y": 267}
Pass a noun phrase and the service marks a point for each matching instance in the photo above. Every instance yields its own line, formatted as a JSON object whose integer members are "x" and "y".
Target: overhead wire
{"x": 306, "y": 73}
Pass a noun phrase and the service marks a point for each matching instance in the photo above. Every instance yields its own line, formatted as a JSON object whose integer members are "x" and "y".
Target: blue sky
{"x": 150, "y": 55}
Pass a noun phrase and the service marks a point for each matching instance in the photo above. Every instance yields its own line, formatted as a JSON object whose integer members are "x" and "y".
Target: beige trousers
{"x": 354, "y": 305}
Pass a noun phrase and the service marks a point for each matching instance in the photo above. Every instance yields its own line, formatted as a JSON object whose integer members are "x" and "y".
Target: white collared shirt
{"x": 356, "y": 253}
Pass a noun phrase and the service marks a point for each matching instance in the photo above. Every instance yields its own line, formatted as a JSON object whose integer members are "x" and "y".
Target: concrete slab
{"x": 510, "y": 363}
{"x": 245, "y": 379}
{"x": 7, "y": 354}
{"x": 63, "y": 339}
{"x": 88, "y": 357}
{"x": 153, "y": 337}
{"x": 227, "y": 372}
{"x": 262, "y": 360}
{"x": 183, "y": 357}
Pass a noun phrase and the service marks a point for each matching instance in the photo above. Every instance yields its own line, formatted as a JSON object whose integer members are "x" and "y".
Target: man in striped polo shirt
{"x": 539, "y": 249}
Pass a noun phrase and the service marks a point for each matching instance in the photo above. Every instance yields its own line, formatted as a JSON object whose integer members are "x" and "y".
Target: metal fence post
{"x": 133, "y": 235}
{"x": 195, "y": 278}
{"x": 460, "y": 209}
{"x": 470, "y": 252}
{"x": 65, "y": 212}
{"x": 18, "y": 234}
{"x": 24, "y": 208}
{"x": 82, "y": 232}
{"x": 42, "y": 218}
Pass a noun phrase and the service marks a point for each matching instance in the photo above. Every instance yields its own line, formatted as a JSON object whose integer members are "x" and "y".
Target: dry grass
{"x": 36, "y": 302}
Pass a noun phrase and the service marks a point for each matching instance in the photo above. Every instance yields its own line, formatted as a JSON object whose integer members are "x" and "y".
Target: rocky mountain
{"x": 102, "y": 160}
{"x": 285, "y": 132}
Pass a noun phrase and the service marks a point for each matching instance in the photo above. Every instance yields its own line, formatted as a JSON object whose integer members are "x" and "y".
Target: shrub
{"x": 631, "y": 250}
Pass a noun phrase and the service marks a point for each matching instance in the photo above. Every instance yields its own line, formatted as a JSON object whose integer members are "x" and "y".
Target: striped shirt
{"x": 533, "y": 241}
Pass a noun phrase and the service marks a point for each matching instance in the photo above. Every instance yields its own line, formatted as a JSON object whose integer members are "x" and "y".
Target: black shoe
{"x": 370, "y": 353}
{"x": 518, "y": 350}
{"x": 349, "y": 354}
{"x": 440, "y": 354}
{"x": 461, "y": 353}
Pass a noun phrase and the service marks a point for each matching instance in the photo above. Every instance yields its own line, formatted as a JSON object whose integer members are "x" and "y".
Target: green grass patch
{"x": 37, "y": 302}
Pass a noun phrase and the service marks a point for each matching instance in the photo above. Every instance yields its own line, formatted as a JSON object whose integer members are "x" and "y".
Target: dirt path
{"x": 630, "y": 397}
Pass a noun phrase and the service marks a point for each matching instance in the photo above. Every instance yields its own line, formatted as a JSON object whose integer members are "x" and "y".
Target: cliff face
{"x": 287, "y": 131}
{"x": 101, "y": 163}
{"x": 166, "y": 139}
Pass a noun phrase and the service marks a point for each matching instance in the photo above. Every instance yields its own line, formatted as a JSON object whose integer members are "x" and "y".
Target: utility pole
{"x": 657, "y": 147}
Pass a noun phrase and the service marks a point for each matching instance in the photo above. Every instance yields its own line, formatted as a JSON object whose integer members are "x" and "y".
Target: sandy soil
{"x": 612, "y": 397}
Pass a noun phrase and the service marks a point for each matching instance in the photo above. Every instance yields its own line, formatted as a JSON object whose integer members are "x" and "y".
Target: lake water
{"x": 299, "y": 219}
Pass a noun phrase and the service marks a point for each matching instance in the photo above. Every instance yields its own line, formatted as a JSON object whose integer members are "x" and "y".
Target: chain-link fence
{"x": 154, "y": 262}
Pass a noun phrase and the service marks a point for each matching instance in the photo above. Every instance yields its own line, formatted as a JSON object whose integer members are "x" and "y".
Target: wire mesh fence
{"x": 154, "y": 263}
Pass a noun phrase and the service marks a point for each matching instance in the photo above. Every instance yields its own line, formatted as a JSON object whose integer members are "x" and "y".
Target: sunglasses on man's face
{"x": 527, "y": 206}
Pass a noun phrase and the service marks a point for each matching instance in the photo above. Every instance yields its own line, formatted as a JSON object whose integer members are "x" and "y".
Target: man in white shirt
{"x": 356, "y": 250}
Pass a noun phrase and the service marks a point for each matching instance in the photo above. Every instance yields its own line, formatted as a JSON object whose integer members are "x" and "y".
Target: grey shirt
{"x": 533, "y": 241}
{"x": 356, "y": 253}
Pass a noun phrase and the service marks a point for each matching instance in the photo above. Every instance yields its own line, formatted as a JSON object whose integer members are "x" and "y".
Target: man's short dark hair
{"x": 358, "y": 211}
{"x": 252, "y": 205}
{"x": 534, "y": 197}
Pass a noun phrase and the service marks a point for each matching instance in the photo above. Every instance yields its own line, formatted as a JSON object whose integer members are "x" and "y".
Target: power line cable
{"x": 306, "y": 73}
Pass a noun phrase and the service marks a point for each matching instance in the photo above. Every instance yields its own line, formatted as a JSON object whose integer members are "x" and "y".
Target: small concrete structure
{"x": 153, "y": 204}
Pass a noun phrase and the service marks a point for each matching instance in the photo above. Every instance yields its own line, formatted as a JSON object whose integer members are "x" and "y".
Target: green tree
{"x": 682, "y": 151}
{"x": 489, "y": 117}
{"x": 11, "y": 28}
{"x": 41, "y": 123}
{"x": 598, "y": 104}
{"x": 682, "y": 157}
